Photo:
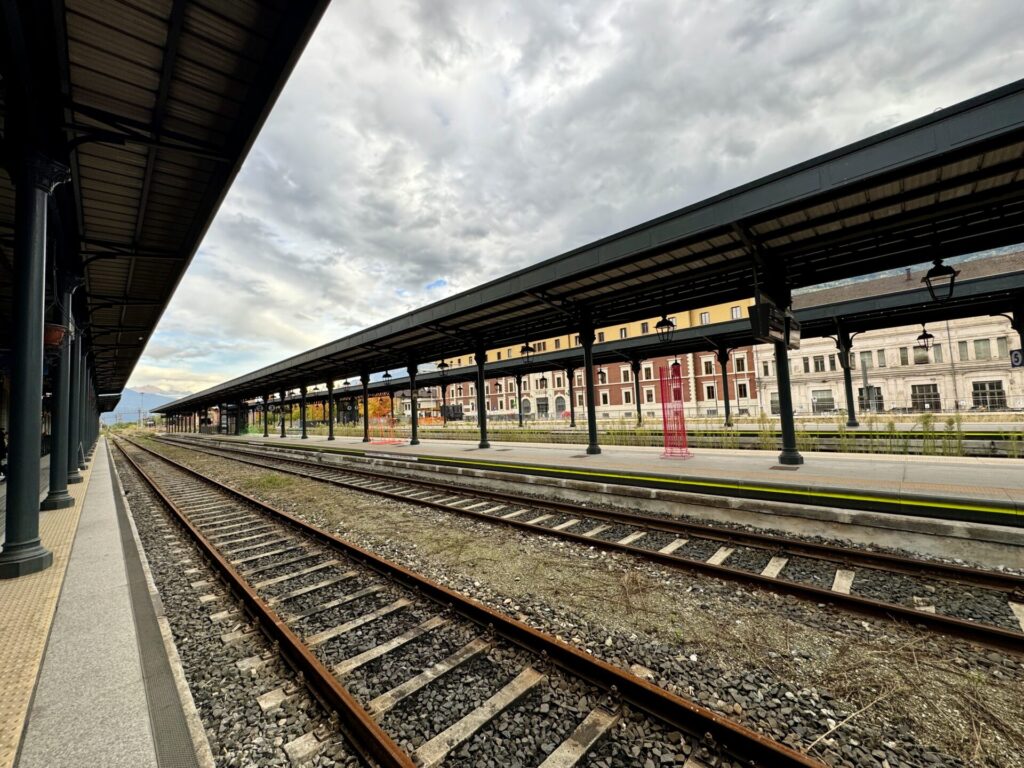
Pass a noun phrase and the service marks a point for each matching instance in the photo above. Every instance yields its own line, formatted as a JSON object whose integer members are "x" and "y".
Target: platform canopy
{"x": 153, "y": 105}
{"x": 944, "y": 185}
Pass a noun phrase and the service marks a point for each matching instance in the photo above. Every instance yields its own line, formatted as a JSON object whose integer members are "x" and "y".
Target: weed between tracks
{"x": 899, "y": 683}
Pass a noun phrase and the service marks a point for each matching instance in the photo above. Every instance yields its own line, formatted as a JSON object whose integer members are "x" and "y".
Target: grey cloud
{"x": 426, "y": 140}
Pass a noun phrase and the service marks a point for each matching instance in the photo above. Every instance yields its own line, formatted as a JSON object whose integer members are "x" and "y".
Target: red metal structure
{"x": 673, "y": 399}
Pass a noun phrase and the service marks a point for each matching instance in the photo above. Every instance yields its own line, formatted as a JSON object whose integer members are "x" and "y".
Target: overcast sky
{"x": 421, "y": 148}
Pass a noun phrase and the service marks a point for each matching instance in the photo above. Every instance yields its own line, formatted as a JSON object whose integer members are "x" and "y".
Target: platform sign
{"x": 767, "y": 322}
{"x": 1017, "y": 358}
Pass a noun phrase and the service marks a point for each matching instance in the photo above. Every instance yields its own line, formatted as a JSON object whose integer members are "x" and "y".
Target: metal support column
{"x": 330, "y": 410}
{"x": 280, "y": 409}
{"x": 519, "y": 397}
{"x": 844, "y": 342}
{"x": 571, "y": 377}
{"x": 480, "y": 355}
{"x": 302, "y": 411}
{"x": 83, "y": 434}
{"x": 723, "y": 360}
{"x": 587, "y": 340}
{"x": 266, "y": 415}
{"x": 364, "y": 379}
{"x": 22, "y": 551}
{"x": 444, "y": 403}
{"x": 789, "y": 455}
{"x": 57, "y": 497}
{"x": 414, "y": 405}
{"x": 634, "y": 366}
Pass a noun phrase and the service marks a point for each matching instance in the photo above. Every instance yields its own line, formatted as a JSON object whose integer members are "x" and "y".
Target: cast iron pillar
{"x": 364, "y": 379}
{"x": 280, "y": 409}
{"x": 519, "y": 397}
{"x": 302, "y": 411}
{"x": 23, "y": 553}
{"x": 634, "y": 365}
{"x": 58, "y": 497}
{"x": 587, "y": 340}
{"x": 414, "y": 405}
{"x": 83, "y": 432}
{"x": 480, "y": 356}
{"x": 789, "y": 455}
{"x": 75, "y": 382}
{"x": 266, "y": 415}
{"x": 844, "y": 344}
{"x": 723, "y": 360}
{"x": 571, "y": 376}
{"x": 444, "y": 403}
{"x": 330, "y": 410}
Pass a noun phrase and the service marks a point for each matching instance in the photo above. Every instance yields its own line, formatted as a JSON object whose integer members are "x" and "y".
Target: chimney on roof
{"x": 908, "y": 274}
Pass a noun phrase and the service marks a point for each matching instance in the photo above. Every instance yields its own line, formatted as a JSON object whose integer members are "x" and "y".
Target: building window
{"x": 865, "y": 360}
{"x": 921, "y": 356}
{"x": 764, "y": 368}
{"x": 1002, "y": 349}
{"x": 649, "y": 395}
{"x": 822, "y": 401}
{"x": 881, "y": 358}
{"x": 509, "y": 353}
{"x": 526, "y": 383}
{"x": 937, "y": 353}
{"x": 558, "y": 343}
{"x": 558, "y": 382}
{"x": 904, "y": 356}
{"x": 709, "y": 392}
{"x": 501, "y": 404}
{"x": 988, "y": 394}
{"x": 873, "y": 401}
{"x": 648, "y": 373}
{"x": 819, "y": 363}
{"x": 602, "y": 377}
{"x": 627, "y": 396}
{"x": 579, "y": 400}
{"x": 623, "y": 333}
{"x": 831, "y": 362}
{"x": 499, "y": 355}
{"x": 604, "y": 398}
{"x": 853, "y": 361}
{"x": 624, "y": 375}
{"x": 739, "y": 363}
{"x": 925, "y": 397}
{"x": 962, "y": 348}
{"x": 774, "y": 404}
{"x": 600, "y": 337}
{"x": 579, "y": 380}
{"x": 741, "y": 390}
{"x": 807, "y": 365}
{"x": 709, "y": 367}
{"x": 737, "y": 313}
{"x": 982, "y": 349}
{"x": 645, "y": 327}
{"x": 705, "y": 318}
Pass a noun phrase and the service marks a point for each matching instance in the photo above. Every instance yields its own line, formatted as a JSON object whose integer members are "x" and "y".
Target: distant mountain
{"x": 133, "y": 403}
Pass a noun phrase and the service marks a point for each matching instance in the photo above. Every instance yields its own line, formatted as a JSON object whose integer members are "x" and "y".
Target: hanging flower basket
{"x": 53, "y": 334}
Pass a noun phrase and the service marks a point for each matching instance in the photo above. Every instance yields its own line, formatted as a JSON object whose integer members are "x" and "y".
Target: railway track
{"x": 418, "y": 675}
{"x": 978, "y": 605}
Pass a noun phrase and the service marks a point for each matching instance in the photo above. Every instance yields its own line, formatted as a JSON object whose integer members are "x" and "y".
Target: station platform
{"x": 83, "y": 668}
{"x": 955, "y": 488}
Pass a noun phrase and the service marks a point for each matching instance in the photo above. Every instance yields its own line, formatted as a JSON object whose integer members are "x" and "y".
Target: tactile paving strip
{"x": 27, "y": 605}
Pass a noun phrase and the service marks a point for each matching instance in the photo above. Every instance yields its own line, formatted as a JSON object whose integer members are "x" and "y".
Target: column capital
{"x": 42, "y": 172}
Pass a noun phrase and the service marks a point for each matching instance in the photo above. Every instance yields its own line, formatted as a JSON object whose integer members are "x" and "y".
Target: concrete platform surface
{"x": 104, "y": 693}
{"x": 968, "y": 480}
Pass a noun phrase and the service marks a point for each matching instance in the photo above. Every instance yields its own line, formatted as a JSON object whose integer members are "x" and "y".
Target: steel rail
{"x": 988, "y": 635}
{"x": 364, "y": 733}
{"x": 1003, "y": 582}
{"x": 755, "y": 749}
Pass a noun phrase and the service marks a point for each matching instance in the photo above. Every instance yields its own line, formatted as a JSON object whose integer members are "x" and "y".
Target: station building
{"x": 966, "y": 367}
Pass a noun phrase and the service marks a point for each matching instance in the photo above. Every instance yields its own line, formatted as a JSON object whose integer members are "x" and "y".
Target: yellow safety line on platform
{"x": 727, "y": 486}
{"x": 27, "y": 605}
